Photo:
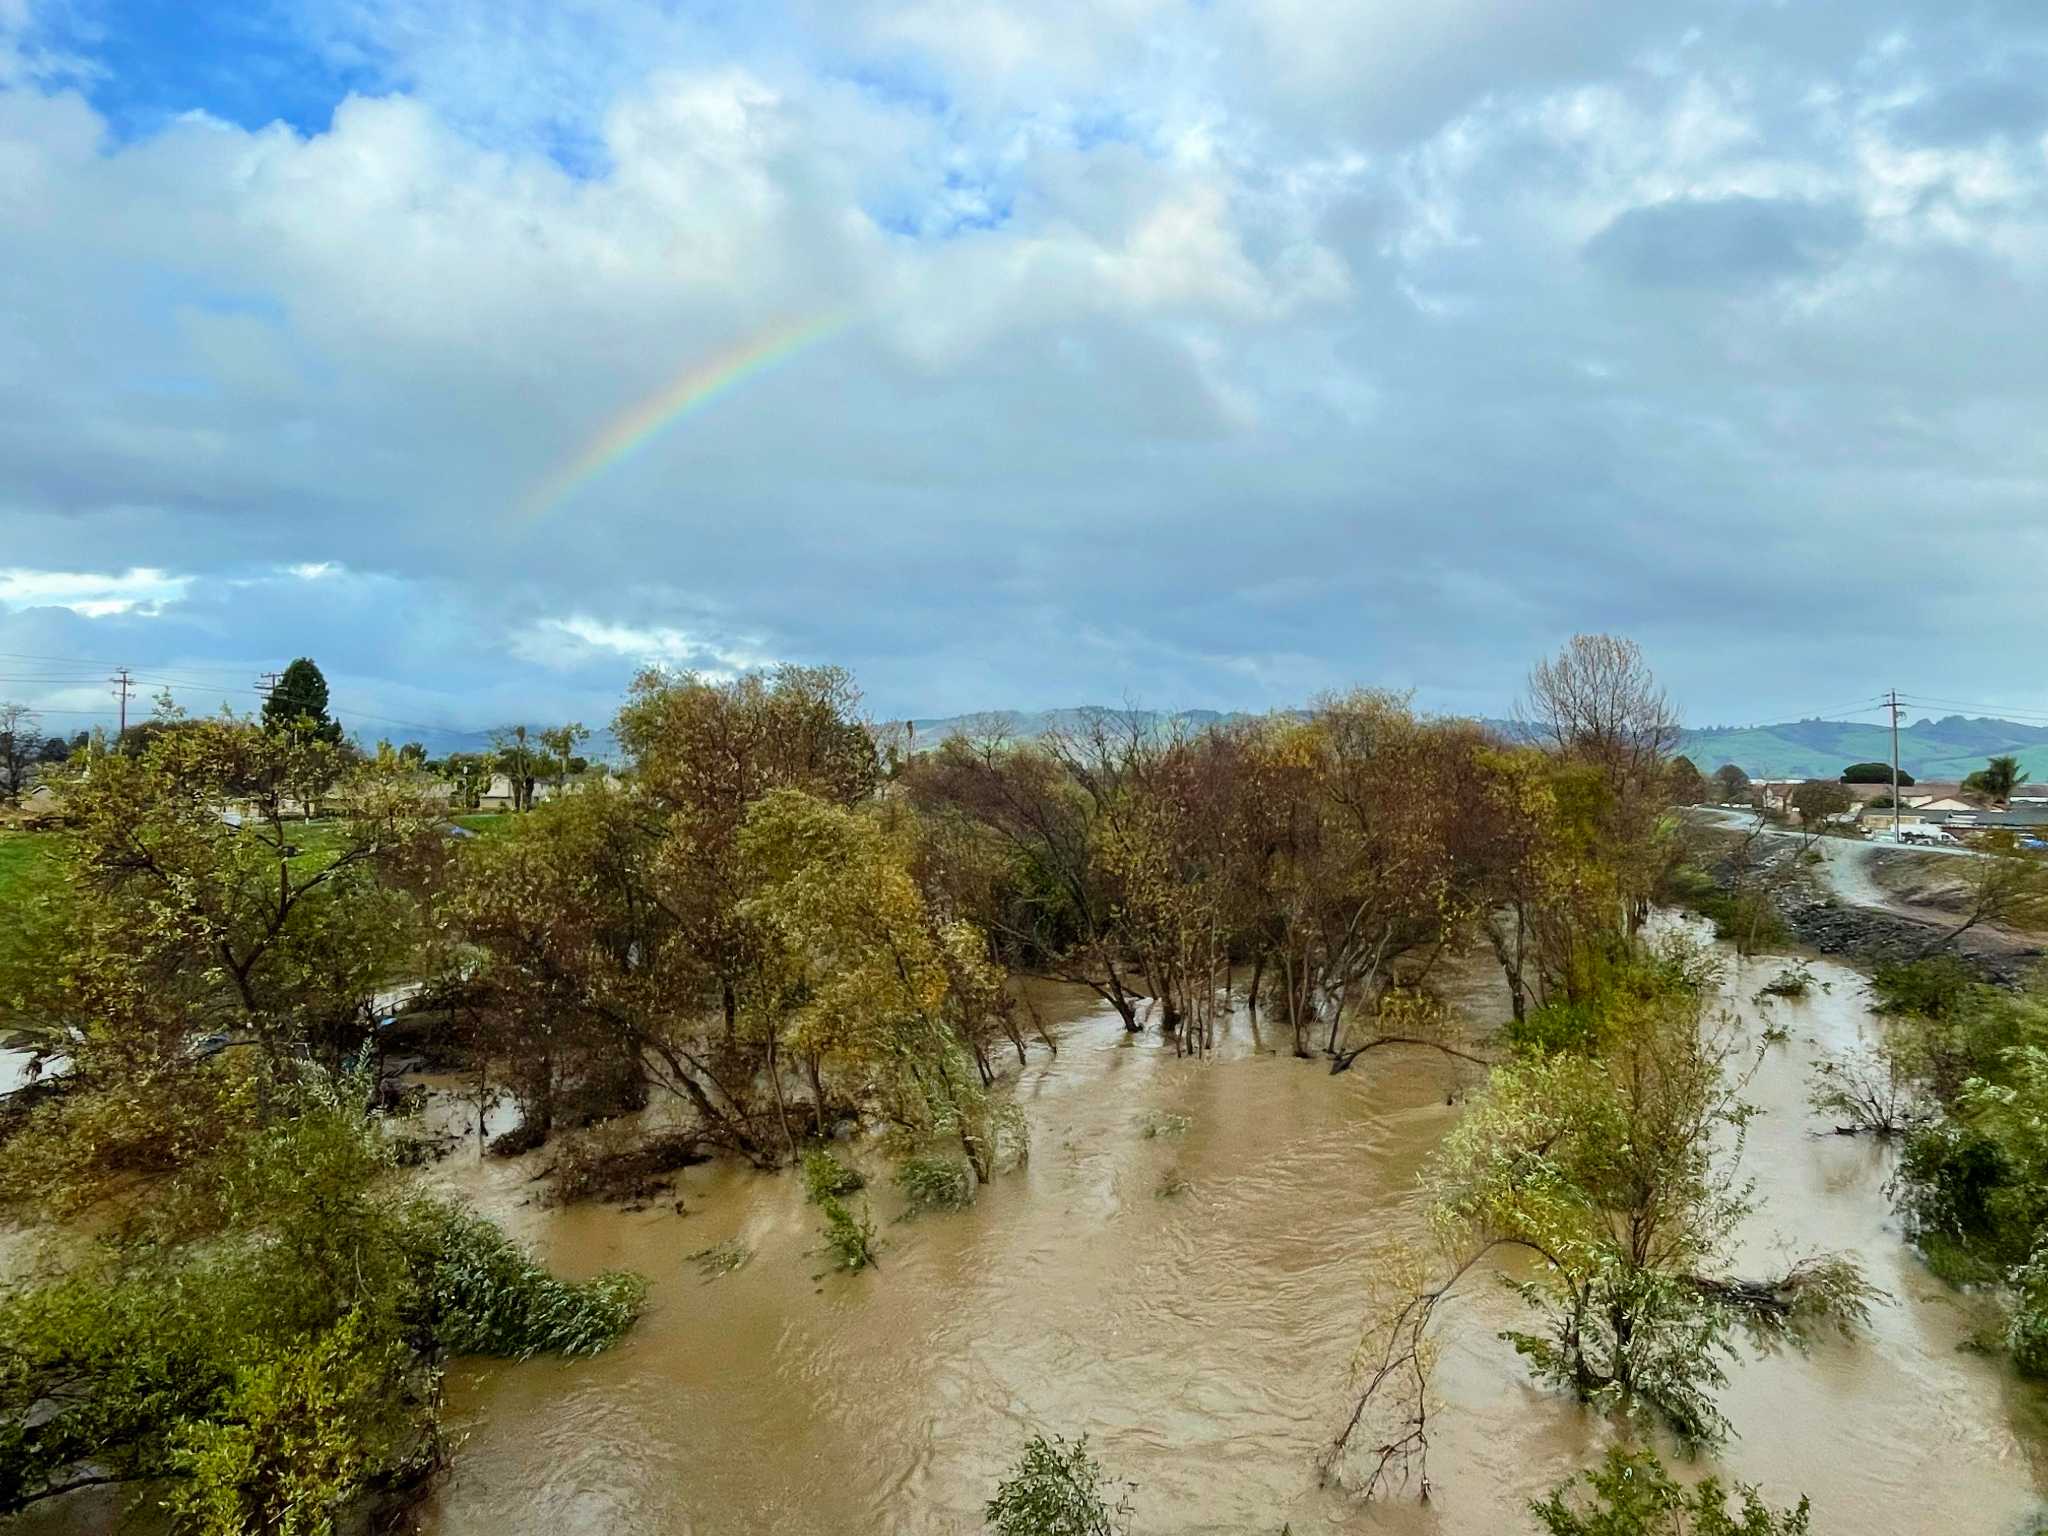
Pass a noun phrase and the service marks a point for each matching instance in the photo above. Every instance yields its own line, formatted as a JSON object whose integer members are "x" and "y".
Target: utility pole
{"x": 266, "y": 684}
{"x": 1892, "y": 702}
{"x": 124, "y": 690}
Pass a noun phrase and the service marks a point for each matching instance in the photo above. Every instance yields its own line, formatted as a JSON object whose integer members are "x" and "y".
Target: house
{"x": 1949, "y": 803}
{"x": 496, "y": 795}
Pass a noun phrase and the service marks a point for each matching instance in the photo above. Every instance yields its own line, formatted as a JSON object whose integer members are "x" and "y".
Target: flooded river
{"x": 1201, "y": 1339}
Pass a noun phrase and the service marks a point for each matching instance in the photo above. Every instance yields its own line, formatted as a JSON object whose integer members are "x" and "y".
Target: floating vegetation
{"x": 721, "y": 1258}
{"x": 935, "y": 1183}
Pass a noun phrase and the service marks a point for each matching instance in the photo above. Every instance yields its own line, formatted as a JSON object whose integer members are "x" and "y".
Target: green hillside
{"x": 1928, "y": 749}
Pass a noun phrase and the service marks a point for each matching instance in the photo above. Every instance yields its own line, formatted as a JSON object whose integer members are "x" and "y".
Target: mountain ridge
{"x": 1930, "y": 748}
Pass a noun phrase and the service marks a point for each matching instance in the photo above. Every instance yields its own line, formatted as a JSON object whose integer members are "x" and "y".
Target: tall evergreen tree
{"x": 301, "y": 695}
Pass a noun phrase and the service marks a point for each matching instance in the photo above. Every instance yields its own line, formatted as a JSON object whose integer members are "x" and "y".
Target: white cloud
{"x": 141, "y": 592}
{"x": 1186, "y": 324}
{"x": 564, "y": 644}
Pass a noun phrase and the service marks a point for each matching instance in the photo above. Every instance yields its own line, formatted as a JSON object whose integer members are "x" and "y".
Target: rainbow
{"x": 693, "y": 389}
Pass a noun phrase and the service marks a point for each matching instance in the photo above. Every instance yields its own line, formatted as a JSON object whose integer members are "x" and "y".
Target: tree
{"x": 1731, "y": 784}
{"x": 702, "y": 753}
{"x": 1614, "y": 1164}
{"x": 561, "y": 743}
{"x": 1024, "y": 837}
{"x": 1818, "y": 801}
{"x": 856, "y": 974}
{"x": 18, "y": 748}
{"x": 1057, "y": 1489}
{"x": 1631, "y": 1494}
{"x": 198, "y": 910}
{"x": 54, "y": 750}
{"x": 520, "y": 758}
{"x": 2003, "y": 885}
{"x": 1687, "y": 785}
{"x": 1873, "y": 773}
{"x": 257, "y": 1331}
{"x": 1596, "y": 702}
{"x": 298, "y": 704}
{"x": 1997, "y": 779}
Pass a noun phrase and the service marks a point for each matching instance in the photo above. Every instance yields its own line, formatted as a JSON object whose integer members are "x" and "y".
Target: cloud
{"x": 1210, "y": 355}
{"x": 140, "y": 591}
{"x": 1724, "y": 242}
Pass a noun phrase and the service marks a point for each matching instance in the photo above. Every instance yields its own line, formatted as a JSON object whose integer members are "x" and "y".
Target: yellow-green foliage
{"x": 259, "y": 1328}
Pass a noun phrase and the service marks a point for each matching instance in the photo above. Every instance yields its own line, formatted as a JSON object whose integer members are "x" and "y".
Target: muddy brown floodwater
{"x": 1201, "y": 1340}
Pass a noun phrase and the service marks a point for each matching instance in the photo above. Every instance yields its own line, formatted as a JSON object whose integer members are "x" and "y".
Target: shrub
{"x": 1796, "y": 982}
{"x": 1948, "y": 1177}
{"x": 824, "y": 1176}
{"x": 1556, "y": 1026}
{"x": 849, "y": 1239}
{"x": 936, "y": 1183}
{"x": 1748, "y": 921}
{"x": 481, "y": 1293}
{"x": 1057, "y": 1489}
{"x": 1932, "y": 988}
{"x": 1632, "y": 1495}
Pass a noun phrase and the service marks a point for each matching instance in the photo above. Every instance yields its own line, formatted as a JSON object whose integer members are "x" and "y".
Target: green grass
{"x": 31, "y": 869}
{"x": 488, "y": 823}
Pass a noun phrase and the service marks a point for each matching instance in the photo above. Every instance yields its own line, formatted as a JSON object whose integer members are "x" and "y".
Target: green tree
{"x": 1615, "y": 1163}
{"x": 298, "y": 704}
{"x": 1731, "y": 784}
{"x": 1997, "y": 779}
{"x": 1057, "y": 1489}
{"x": 1686, "y": 784}
{"x": 561, "y": 742}
{"x": 855, "y": 973}
{"x": 1873, "y": 773}
{"x": 1631, "y": 1494}
{"x": 259, "y": 1339}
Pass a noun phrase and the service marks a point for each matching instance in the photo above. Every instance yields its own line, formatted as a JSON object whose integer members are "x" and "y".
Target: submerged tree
{"x": 1615, "y": 1167}
{"x": 856, "y": 976}
{"x": 1630, "y": 1494}
{"x": 1058, "y": 1489}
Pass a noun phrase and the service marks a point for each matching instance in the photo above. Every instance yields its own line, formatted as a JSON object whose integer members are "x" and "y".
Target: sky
{"x": 1191, "y": 353}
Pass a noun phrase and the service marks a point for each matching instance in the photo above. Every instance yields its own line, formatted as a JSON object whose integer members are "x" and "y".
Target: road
{"x": 1848, "y": 866}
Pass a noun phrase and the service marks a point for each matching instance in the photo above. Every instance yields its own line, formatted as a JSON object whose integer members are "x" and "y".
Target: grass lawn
{"x": 488, "y": 823}
{"x": 29, "y": 869}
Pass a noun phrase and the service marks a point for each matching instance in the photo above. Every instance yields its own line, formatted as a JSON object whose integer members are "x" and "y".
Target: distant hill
{"x": 1947, "y": 748}
{"x": 1799, "y": 749}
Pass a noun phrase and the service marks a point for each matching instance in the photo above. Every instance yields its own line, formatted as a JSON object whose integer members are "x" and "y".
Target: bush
{"x": 1948, "y": 1177}
{"x": 1747, "y": 921}
{"x": 936, "y": 1183}
{"x": 1632, "y": 1495}
{"x": 849, "y": 1239}
{"x": 1555, "y": 1026}
{"x": 1796, "y": 982}
{"x": 481, "y": 1293}
{"x": 1057, "y": 1489}
{"x": 824, "y": 1176}
{"x": 1932, "y": 988}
